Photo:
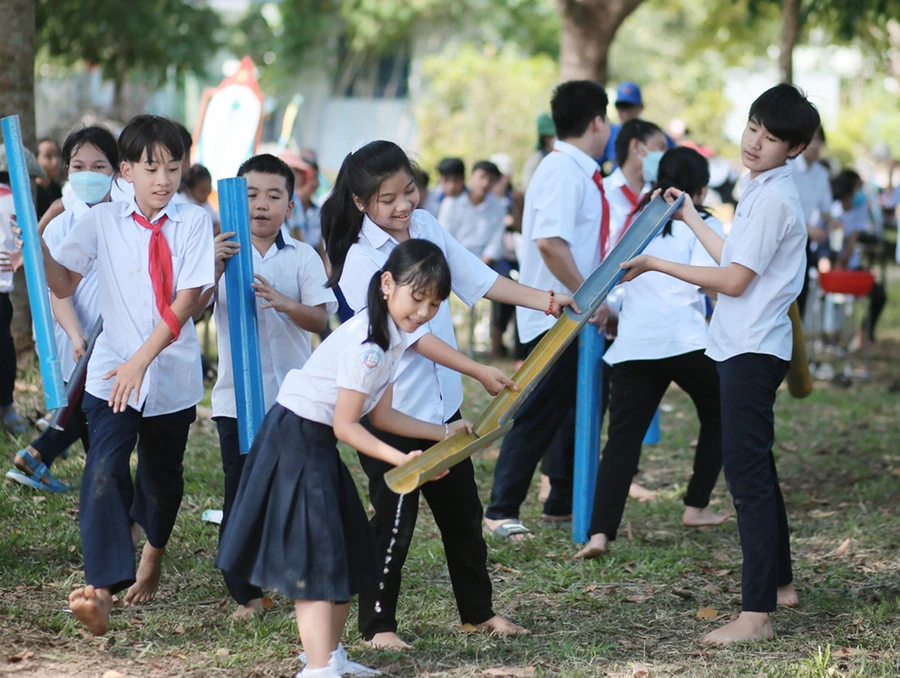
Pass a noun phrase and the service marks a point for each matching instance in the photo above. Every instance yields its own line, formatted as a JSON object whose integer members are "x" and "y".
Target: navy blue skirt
{"x": 298, "y": 526}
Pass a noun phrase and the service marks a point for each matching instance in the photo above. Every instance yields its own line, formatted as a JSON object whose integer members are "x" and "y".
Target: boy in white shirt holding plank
{"x": 760, "y": 273}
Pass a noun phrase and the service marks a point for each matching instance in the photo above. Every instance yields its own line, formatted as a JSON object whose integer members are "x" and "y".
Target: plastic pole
{"x": 243, "y": 331}
{"x": 652, "y": 436}
{"x": 36, "y": 278}
{"x": 588, "y": 422}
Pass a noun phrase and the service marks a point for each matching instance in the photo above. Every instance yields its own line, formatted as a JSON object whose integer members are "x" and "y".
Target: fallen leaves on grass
{"x": 640, "y": 670}
{"x": 113, "y": 674}
{"x": 707, "y": 613}
{"x": 223, "y": 652}
{"x": 267, "y": 603}
{"x": 841, "y": 550}
{"x": 509, "y": 672}
{"x": 22, "y": 656}
{"x": 469, "y": 628}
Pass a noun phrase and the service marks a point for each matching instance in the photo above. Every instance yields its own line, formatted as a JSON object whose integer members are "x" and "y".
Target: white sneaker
{"x": 324, "y": 672}
{"x": 342, "y": 664}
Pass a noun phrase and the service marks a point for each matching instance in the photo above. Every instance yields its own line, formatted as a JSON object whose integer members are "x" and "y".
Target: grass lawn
{"x": 637, "y": 612}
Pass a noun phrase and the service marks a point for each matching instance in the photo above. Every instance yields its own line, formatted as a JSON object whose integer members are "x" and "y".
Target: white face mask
{"x": 90, "y": 187}
{"x": 650, "y": 165}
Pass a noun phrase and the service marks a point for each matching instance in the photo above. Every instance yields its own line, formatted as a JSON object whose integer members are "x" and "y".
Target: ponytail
{"x": 360, "y": 177}
{"x": 682, "y": 168}
{"x": 417, "y": 263}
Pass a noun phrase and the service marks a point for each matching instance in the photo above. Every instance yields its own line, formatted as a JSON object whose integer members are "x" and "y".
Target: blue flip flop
{"x": 40, "y": 472}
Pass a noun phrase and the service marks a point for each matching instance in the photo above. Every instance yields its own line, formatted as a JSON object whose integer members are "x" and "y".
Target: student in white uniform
{"x": 371, "y": 210}
{"x": 760, "y": 274}
{"x": 91, "y": 158}
{"x": 154, "y": 258}
{"x": 661, "y": 338}
{"x": 476, "y": 218}
{"x": 639, "y": 148}
{"x": 565, "y": 235}
{"x": 298, "y": 525}
{"x": 814, "y": 188}
{"x": 292, "y": 301}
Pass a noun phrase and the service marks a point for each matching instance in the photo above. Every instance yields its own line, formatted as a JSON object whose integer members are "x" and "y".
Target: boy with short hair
{"x": 292, "y": 301}
{"x": 154, "y": 259}
{"x": 562, "y": 228}
{"x": 760, "y": 274}
{"x": 451, "y": 183}
{"x": 476, "y": 218}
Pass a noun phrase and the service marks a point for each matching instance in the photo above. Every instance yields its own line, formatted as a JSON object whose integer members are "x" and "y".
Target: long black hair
{"x": 418, "y": 263}
{"x": 682, "y": 168}
{"x": 361, "y": 175}
{"x": 633, "y": 129}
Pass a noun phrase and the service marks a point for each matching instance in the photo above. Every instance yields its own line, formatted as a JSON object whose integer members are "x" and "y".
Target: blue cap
{"x": 629, "y": 93}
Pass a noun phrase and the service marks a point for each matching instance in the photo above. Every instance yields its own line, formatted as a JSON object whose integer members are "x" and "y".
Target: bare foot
{"x": 749, "y": 626}
{"x": 147, "y": 581}
{"x": 787, "y": 596}
{"x": 248, "y": 611}
{"x": 595, "y": 548}
{"x": 544, "y": 492}
{"x": 641, "y": 493}
{"x": 91, "y": 607}
{"x": 499, "y": 626}
{"x": 698, "y": 517}
{"x": 388, "y": 641}
{"x": 136, "y": 533}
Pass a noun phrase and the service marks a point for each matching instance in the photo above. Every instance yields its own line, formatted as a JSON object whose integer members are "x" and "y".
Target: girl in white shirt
{"x": 91, "y": 158}
{"x": 661, "y": 338}
{"x": 298, "y": 525}
{"x": 371, "y": 210}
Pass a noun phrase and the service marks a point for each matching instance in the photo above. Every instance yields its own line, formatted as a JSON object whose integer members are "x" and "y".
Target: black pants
{"x": 457, "y": 511}
{"x": 877, "y": 301}
{"x": 7, "y": 352}
{"x": 545, "y": 421}
{"x": 748, "y": 384}
{"x": 110, "y": 503}
{"x": 637, "y": 387}
{"x": 52, "y": 442}
{"x": 233, "y": 465}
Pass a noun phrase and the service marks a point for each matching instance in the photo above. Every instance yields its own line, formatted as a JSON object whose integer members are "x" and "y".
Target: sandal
{"x": 508, "y": 528}
{"x": 40, "y": 478}
{"x": 556, "y": 521}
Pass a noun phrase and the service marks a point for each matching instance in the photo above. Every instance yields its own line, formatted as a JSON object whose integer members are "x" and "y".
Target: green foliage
{"x": 478, "y": 102}
{"x": 121, "y": 36}
{"x": 875, "y": 119}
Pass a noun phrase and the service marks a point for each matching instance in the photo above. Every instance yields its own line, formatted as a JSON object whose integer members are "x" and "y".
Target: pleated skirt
{"x": 298, "y": 526}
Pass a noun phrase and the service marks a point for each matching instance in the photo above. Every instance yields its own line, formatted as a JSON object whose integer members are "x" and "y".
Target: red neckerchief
{"x": 5, "y": 190}
{"x": 604, "y": 219}
{"x": 161, "y": 271}
{"x": 633, "y": 200}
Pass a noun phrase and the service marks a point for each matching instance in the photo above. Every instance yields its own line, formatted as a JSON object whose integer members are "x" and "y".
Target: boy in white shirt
{"x": 292, "y": 301}
{"x": 475, "y": 218}
{"x": 565, "y": 233}
{"x": 760, "y": 274}
{"x": 154, "y": 258}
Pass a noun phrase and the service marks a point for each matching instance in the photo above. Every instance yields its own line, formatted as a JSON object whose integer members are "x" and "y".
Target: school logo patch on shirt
{"x": 372, "y": 358}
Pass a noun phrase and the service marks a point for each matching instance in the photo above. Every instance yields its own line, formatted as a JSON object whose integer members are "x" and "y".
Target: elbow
{"x": 342, "y": 431}
{"x": 545, "y": 247}
{"x": 321, "y": 321}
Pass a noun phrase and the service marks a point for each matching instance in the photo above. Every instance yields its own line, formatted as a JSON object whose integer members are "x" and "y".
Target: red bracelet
{"x": 549, "y": 310}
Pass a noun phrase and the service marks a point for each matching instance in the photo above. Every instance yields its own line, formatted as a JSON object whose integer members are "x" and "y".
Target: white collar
{"x": 130, "y": 207}
{"x": 585, "y": 162}
{"x": 377, "y": 236}
{"x": 784, "y": 170}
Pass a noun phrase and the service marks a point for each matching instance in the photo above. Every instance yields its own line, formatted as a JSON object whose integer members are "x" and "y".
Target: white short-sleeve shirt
{"x": 620, "y": 206}
{"x": 296, "y": 270}
{"x": 108, "y": 238}
{"x": 562, "y": 201}
{"x": 662, "y": 316}
{"x": 7, "y": 240}
{"x": 813, "y": 188}
{"x": 768, "y": 236}
{"x": 424, "y": 390}
{"x": 479, "y": 228}
{"x": 86, "y": 298}
{"x": 343, "y": 360}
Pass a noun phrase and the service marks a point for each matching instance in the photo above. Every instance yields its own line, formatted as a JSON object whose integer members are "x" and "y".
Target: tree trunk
{"x": 587, "y": 29}
{"x": 17, "y": 97}
{"x": 790, "y": 34}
